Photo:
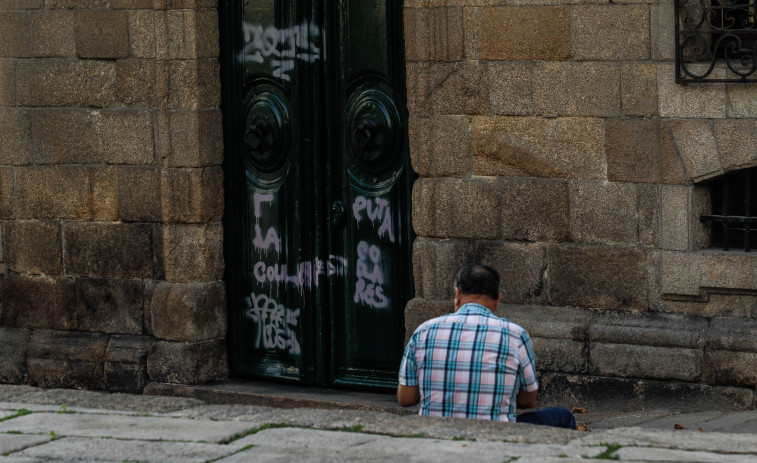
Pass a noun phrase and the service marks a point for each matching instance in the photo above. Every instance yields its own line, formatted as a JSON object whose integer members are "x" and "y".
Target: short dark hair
{"x": 478, "y": 279}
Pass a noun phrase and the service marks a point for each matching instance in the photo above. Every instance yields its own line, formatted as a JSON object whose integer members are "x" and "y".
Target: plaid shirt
{"x": 469, "y": 364}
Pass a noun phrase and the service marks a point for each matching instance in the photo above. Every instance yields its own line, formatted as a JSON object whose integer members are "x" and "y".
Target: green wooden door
{"x": 318, "y": 183}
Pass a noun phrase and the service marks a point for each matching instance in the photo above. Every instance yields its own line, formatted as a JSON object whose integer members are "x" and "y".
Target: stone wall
{"x": 553, "y": 143}
{"x": 111, "y": 193}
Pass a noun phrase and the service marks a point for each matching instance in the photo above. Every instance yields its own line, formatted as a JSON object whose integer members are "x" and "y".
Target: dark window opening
{"x": 733, "y": 219}
{"x": 716, "y": 35}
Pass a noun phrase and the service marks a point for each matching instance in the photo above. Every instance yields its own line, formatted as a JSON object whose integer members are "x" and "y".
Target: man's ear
{"x": 458, "y": 298}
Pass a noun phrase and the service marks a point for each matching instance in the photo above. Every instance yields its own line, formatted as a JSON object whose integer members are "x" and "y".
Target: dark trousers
{"x": 558, "y": 417}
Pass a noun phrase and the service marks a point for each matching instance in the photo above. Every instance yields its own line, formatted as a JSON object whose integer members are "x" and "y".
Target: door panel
{"x": 318, "y": 231}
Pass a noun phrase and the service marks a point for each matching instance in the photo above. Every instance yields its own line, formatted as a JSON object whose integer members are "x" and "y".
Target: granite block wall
{"x": 111, "y": 193}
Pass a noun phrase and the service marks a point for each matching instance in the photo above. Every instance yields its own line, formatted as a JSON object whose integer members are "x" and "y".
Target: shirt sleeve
{"x": 408, "y": 375}
{"x": 527, "y": 372}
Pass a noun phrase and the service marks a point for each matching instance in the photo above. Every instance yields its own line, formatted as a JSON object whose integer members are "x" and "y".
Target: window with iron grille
{"x": 733, "y": 219}
{"x": 716, "y": 41}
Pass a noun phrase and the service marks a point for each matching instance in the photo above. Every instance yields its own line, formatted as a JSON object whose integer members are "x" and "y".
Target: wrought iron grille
{"x": 734, "y": 222}
{"x": 716, "y": 41}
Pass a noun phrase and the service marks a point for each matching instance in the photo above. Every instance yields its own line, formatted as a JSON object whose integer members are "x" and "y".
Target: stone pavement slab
{"x": 73, "y": 398}
{"x": 10, "y": 443}
{"x": 662, "y": 455}
{"x": 100, "y": 449}
{"x": 124, "y": 427}
{"x": 682, "y": 440}
{"x": 691, "y": 421}
{"x": 353, "y": 446}
{"x": 735, "y": 422}
{"x": 609, "y": 420}
{"x": 7, "y": 391}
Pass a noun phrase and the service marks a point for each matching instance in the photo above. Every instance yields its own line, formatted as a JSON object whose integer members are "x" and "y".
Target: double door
{"x": 318, "y": 181}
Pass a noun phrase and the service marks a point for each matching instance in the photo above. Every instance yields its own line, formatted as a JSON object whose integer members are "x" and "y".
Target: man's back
{"x": 469, "y": 364}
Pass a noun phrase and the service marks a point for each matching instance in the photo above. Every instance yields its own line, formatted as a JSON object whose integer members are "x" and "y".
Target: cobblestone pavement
{"x": 39, "y": 425}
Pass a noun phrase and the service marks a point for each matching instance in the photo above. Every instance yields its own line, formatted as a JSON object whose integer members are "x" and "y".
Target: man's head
{"x": 479, "y": 284}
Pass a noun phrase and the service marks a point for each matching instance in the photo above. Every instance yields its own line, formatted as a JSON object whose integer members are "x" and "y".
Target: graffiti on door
{"x": 371, "y": 263}
{"x": 282, "y": 48}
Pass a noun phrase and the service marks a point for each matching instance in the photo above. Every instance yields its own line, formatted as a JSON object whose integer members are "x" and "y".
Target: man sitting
{"x": 473, "y": 364}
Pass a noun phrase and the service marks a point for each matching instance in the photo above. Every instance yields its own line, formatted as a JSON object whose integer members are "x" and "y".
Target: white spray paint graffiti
{"x": 271, "y": 235}
{"x": 370, "y": 277}
{"x": 376, "y": 209}
{"x": 307, "y": 272}
{"x": 276, "y": 323}
{"x": 282, "y": 46}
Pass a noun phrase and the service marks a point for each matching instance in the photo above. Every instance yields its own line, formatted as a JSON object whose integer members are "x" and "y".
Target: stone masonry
{"x": 550, "y": 139}
{"x": 111, "y": 193}
{"x": 553, "y": 143}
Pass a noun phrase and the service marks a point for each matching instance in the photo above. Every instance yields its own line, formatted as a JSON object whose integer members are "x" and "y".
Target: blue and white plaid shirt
{"x": 469, "y": 364}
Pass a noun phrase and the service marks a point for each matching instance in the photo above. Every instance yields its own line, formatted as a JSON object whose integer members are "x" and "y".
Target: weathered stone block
{"x": 577, "y": 89}
{"x": 418, "y": 311}
{"x": 14, "y": 347}
{"x": 38, "y": 302}
{"x": 732, "y": 368}
{"x": 54, "y": 193}
{"x": 192, "y": 195}
{"x": 697, "y": 273}
{"x": 126, "y": 363}
{"x": 733, "y": 334}
{"x": 534, "y": 210}
{"x": 188, "y": 312}
{"x": 456, "y": 208}
{"x": 52, "y": 34}
{"x": 66, "y": 136}
{"x": 688, "y": 101}
{"x": 435, "y": 264}
{"x": 511, "y": 88}
{"x": 680, "y": 396}
{"x": 104, "y": 193}
{"x": 649, "y": 214}
{"x": 598, "y": 276}
{"x": 434, "y": 34}
{"x": 67, "y": 359}
{"x": 16, "y": 149}
{"x": 108, "y": 250}
{"x": 142, "y": 33}
{"x": 695, "y": 141}
{"x": 70, "y": 4}
{"x": 7, "y": 193}
{"x": 187, "y": 34}
{"x": 109, "y": 306}
{"x": 523, "y": 33}
{"x": 10, "y": 5}
{"x": 737, "y": 143}
{"x": 592, "y": 39}
{"x": 447, "y": 88}
{"x": 662, "y": 31}
{"x": 633, "y": 150}
{"x": 194, "y": 84}
{"x": 560, "y": 355}
{"x": 439, "y": 145}
{"x": 590, "y": 392}
{"x": 66, "y": 83}
{"x": 741, "y": 100}
{"x": 538, "y": 147}
{"x": 102, "y": 34}
{"x": 626, "y": 360}
{"x": 196, "y": 139}
{"x": 673, "y": 171}
{"x": 16, "y": 38}
{"x": 128, "y": 137}
{"x": 33, "y": 247}
{"x": 569, "y": 323}
{"x": 638, "y": 83}
{"x": 649, "y": 329}
{"x": 193, "y": 252}
{"x": 133, "y": 4}
{"x": 187, "y": 363}
{"x": 141, "y": 83}
{"x": 139, "y": 194}
{"x": 602, "y": 212}
{"x": 7, "y": 82}
{"x": 522, "y": 268}
{"x": 674, "y": 217}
